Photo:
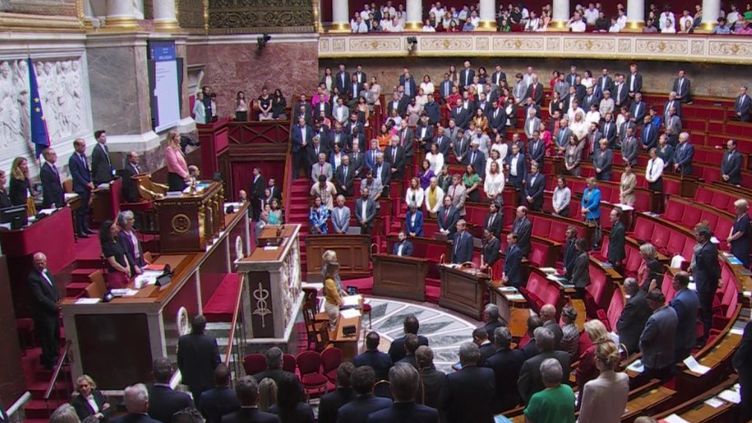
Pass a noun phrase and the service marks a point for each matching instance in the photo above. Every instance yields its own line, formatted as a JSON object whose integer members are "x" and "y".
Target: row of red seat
{"x": 688, "y": 213}
{"x": 668, "y": 239}
{"x": 715, "y": 198}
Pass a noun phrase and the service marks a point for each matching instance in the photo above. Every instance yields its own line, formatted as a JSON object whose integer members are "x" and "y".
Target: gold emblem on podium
{"x": 181, "y": 223}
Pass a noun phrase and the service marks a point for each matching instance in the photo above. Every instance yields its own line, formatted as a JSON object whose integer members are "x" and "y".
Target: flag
{"x": 39, "y": 135}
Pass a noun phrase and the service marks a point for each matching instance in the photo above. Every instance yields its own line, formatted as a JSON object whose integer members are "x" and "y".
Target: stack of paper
{"x": 87, "y": 300}
{"x": 714, "y": 402}
{"x": 731, "y": 395}
{"x": 695, "y": 367}
{"x": 124, "y": 292}
{"x": 673, "y": 419}
{"x": 636, "y": 366}
{"x": 349, "y": 313}
{"x": 515, "y": 297}
{"x": 351, "y": 300}
{"x": 548, "y": 270}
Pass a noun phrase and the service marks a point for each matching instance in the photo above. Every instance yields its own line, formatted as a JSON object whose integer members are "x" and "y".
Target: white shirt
{"x": 593, "y": 117}
{"x": 591, "y": 15}
{"x": 578, "y": 26}
{"x": 561, "y": 198}
{"x": 615, "y": 28}
{"x": 622, "y": 21}
{"x": 732, "y": 17}
{"x": 664, "y": 17}
{"x": 364, "y": 210}
{"x": 399, "y": 248}
{"x": 92, "y": 404}
{"x": 359, "y": 27}
{"x": 494, "y": 184}
{"x": 513, "y": 165}
{"x": 436, "y": 161}
{"x": 503, "y": 149}
{"x": 427, "y": 28}
{"x": 654, "y": 169}
{"x": 414, "y": 197}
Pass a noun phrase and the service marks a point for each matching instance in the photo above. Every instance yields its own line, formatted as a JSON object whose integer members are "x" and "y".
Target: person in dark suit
{"x": 365, "y": 211}
{"x": 743, "y": 105}
{"x": 101, "y": 165}
{"x": 513, "y": 262}
{"x": 535, "y": 184}
{"x": 740, "y": 235}
{"x": 461, "y": 115}
{"x": 686, "y": 305}
{"x": 657, "y": 341}
{"x": 492, "y": 319}
{"x": 523, "y": 228}
{"x": 433, "y": 381}
{"x": 531, "y": 349}
{"x": 163, "y": 400}
{"x": 548, "y": 315}
{"x": 469, "y": 393}
{"x": 535, "y": 91}
{"x": 404, "y": 381}
{"x": 731, "y": 165}
{"x": 462, "y": 250}
{"x": 411, "y": 345}
{"x": 247, "y": 393}
{"x": 705, "y": 273}
{"x": 634, "y": 80}
{"x": 494, "y": 220}
{"x": 46, "y": 298}
{"x": 638, "y": 110}
{"x": 536, "y": 148}
{"x": 403, "y": 247}
{"x": 273, "y": 370}
{"x": 569, "y": 252}
{"x": 603, "y": 158}
{"x": 82, "y": 185}
{"x": 52, "y": 188}
{"x": 683, "y": 155}
{"x": 344, "y": 177}
{"x": 291, "y": 406}
{"x": 505, "y": 363}
{"x": 220, "y": 400}
{"x": 258, "y": 185}
{"x": 485, "y": 346}
{"x": 89, "y": 401}
{"x": 581, "y": 268}
{"x": 364, "y": 403}
{"x": 137, "y": 402}
{"x": 530, "y": 380}
{"x": 198, "y": 356}
{"x": 682, "y": 87}
{"x": 432, "y": 111}
{"x": 331, "y": 402}
{"x": 616, "y": 240}
{"x": 489, "y": 250}
{"x": 395, "y": 156}
{"x": 302, "y": 134}
{"x": 447, "y": 218}
{"x": 634, "y": 316}
{"x": 466, "y": 76}
{"x": 742, "y": 362}
{"x": 410, "y": 326}
{"x": 130, "y": 185}
{"x": 378, "y": 361}
{"x": 407, "y": 82}
{"x": 414, "y": 223}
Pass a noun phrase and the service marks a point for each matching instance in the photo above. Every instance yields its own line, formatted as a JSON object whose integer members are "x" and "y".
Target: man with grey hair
{"x": 136, "y": 399}
{"x": 491, "y": 314}
{"x": 404, "y": 381}
{"x": 163, "y": 401}
{"x": 633, "y": 316}
{"x": 548, "y": 315}
{"x": 130, "y": 185}
{"x": 506, "y": 364}
{"x": 321, "y": 167}
{"x": 130, "y": 242}
{"x": 530, "y": 380}
{"x": 273, "y": 366}
{"x": 683, "y": 155}
{"x": 556, "y": 401}
{"x": 340, "y": 216}
{"x": 63, "y": 414}
{"x": 469, "y": 393}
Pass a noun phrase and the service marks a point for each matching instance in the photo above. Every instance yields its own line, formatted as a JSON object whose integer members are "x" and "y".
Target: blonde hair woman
{"x": 332, "y": 298}
{"x": 89, "y": 401}
{"x": 177, "y": 168}
{"x": 586, "y": 371}
{"x": 20, "y": 192}
{"x": 267, "y": 394}
{"x": 330, "y": 256}
{"x": 605, "y": 397}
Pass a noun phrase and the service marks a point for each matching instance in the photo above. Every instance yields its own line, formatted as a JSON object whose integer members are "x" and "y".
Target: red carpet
{"x": 221, "y": 305}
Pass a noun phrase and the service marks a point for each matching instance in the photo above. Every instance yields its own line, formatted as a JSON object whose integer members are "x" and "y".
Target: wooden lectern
{"x": 463, "y": 290}
{"x": 353, "y": 253}
{"x": 274, "y": 293}
{"x": 187, "y": 222}
{"x": 400, "y": 277}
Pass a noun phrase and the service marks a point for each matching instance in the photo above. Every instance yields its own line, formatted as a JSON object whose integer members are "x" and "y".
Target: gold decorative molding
{"x": 625, "y": 46}
{"x": 24, "y": 22}
{"x": 486, "y": 26}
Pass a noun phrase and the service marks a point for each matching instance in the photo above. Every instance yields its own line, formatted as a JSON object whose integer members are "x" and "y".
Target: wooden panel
{"x": 463, "y": 291}
{"x": 400, "y": 277}
{"x": 12, "y": 383}
{"x": 188, "y": 222}
{"x": 353, "y": 253}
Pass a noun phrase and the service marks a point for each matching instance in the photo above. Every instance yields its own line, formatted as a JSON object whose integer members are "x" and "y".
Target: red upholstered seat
{"x": 675, "y": 241}
{"x": 660, "y": 237}
{"x": 254, "y": 363}
{"x": 667, "y": 287}
{"x": 558, "y": 231}
{"x": 288, "y": 363}
{"x": 643, "y": 228}
{"x": 538, "y": 254}
{"x": 331, "y": 358}
{"x": 430, "y": 229}
{"x": 309, "y": 367}
{"x": 633, "y": 261}
{"x": 674, "y": 210}
{"x": 615, "y": 308}
{"x": 705, "y": 196}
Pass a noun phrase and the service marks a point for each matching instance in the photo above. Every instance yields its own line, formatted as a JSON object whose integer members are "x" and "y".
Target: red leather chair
{"x": 313, "y": 379}
{"x": 254, "y": 363}
{"x": 331, "y": 358}
{"x": 288, "y": 363}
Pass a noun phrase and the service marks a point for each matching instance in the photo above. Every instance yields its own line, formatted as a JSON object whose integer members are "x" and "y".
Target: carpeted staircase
{"x": 297, "y": 212}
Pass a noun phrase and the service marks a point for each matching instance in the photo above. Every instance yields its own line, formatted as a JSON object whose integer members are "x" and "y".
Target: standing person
{"x": 118, "y": 262}
{"x": 177, "y": 168}
{"x": 634, "y": 316}
{"x": 331, "y": 402}
{"x": 362, "y": 379}
{"x": 101, "y": 166}
{"x": 686, "y": 305}
{"x": 513, "y": 263}
{"x": 46, "y": 298}
{"x": 462, "y": 250}
{"x": 657, "y": 341}
{"x": 591, "y": 209}
{"x": 318, "y": 216}
{"x": 130, "y": 190}
{"x": 199, "y": 110}
{"x": 742, "y": 362}
{"x": 365, "y": 211}
{"x": 198, "y": 356}
{"x": 616, "y": 240}
{"x": 605, "y": 397}
{"x": 20, "y": 184}
{"x": 90, "y": 401}
{"x": 247, "y": 391}
{"x": 291, "y": 406}
{"x": 555, "y": 403}
{"x": 332, "y": 298}
{"x": 52, "y": 189}
{"x": 257, "y": 193}
{"x": 341, "y": 216}
{"x": 221, "y": 399}
{"x": 404, "y": 381}
{"x": 136, "y": 399}
{"x": 705, "y": 273}
{"x": 82, "y": 185}
{"x": 469, "y": 393}
{"x": 627, "y": 186}
{"x": 580, "y": 268}
{"x": 163, "y": 401}
{"x": 740, "y": 235}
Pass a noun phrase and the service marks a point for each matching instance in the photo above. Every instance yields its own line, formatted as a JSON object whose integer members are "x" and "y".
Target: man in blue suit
{"x": 657, "y": 341}
{"x": 686, "y": 305}
{"x": 403, "y": 247}
{"x": 220, "y": 400}
{"x": 513, "y": 263}
{"x": 515, "y": 163}
{"x": 731, "y": 166}
{"x": 82, "y": 185}
{"x": 683, "y": 155}
{"x": 52, "y": 189}
{"x": 536, "y": 148}
{"x": 705, "y": 273}
{"x": 404, "y": 381}
{"x": 379, "y": 361}
{"x": 302, "y": 134}
{"x": 414, "y": 222}
{"x": 357, "y": 411}
{"x": 462, "y": 250}
{"x": 535, "y": 183}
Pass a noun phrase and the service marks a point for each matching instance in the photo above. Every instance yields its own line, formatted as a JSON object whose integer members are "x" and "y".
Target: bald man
{"x": 45, "y": 298}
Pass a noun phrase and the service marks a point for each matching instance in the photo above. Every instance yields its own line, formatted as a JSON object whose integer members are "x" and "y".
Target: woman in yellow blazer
{"x": 332, "y": 298}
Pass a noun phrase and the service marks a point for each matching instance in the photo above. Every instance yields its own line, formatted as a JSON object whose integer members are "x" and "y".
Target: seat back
{"x": 97, "y": 288}
{"x": 254, "y": 363}
{"x": 308, "y": 362}
{"x": 331, "y": 358}
{"x": 615, "y": 307}
{"x": 288, "y": 363}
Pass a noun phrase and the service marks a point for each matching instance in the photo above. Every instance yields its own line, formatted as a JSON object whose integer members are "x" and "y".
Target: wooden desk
{"x": 464, "y": 291}
{"x": 105, "y": 203}
{"x": 400, "y": 277}
{"x": 348, "y": 344}
{"x": 647, "y": 399}
{"x": 132, "y": 331}
{"x": 353, "y": 253}
{"x": 696, "y": 411}
{"x": 188, "y": 222}
{"x": 513, "y": 310}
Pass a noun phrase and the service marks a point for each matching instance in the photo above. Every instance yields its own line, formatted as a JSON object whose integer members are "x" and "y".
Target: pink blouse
{"x": 176, "y": 162}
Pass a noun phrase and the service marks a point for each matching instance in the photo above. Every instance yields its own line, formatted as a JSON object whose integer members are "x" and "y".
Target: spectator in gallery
{"x": 318, "y": 217}
{"x": 414, "y": 221}
{"x": 340, "y": 216}
{"x": 279, "y": 105}
{"x": 241, "y": 107}
{"x": 264, "y": 104}
{"x": 199, "y": 110}
{"x": 627, "y": 186}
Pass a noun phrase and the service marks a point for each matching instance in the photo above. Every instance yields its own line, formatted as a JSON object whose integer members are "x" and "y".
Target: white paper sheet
{"x": 694, "y": 366}
{"x": 351, "y": 300}
{"x": 730, "y": 396}
{"x": 636, "y": 366}
{"x": 87, "y": 300}
{"x": 674, "y": 419}
{"x": 349, "y": 313}
{"x": 714, "y": 402}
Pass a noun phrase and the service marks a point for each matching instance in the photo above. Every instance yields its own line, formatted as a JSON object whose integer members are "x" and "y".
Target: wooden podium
{"x": 187, "y": 222}
{"x": 400, "y": 277}
{"x": 353, "y": 253}
{"x": 463, "y": 290}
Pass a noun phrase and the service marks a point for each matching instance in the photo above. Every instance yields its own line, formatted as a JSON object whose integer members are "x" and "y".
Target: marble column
{"x": 414, "y": 20}
{"x": 635, "y": 16}
{"x": 121, "y": 15}
{"x": 487, "y": 15}
{"x": 165, "y": 18}
{"x": 340, "y": 16}
{"x": 711, "y": 9}
{"x": 559, "y": 15}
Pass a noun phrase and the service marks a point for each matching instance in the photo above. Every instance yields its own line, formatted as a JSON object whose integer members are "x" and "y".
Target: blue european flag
{"x": 39, "y": 134}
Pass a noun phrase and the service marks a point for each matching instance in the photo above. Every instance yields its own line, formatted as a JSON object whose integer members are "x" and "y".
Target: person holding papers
{"x": 403, "y": 247}
{"x": 332, "y": 299}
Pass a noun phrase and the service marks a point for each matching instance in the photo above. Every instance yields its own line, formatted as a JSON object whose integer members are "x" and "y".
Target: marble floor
{"x": 445, "y": 331}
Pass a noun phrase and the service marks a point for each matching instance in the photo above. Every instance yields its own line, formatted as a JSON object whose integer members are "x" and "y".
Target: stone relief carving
{"x": 61, "y": 93}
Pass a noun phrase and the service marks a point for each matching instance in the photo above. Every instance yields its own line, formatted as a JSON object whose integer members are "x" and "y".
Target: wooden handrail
{"x": 56, "y": 371}
{"x": 235, "y": 315}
